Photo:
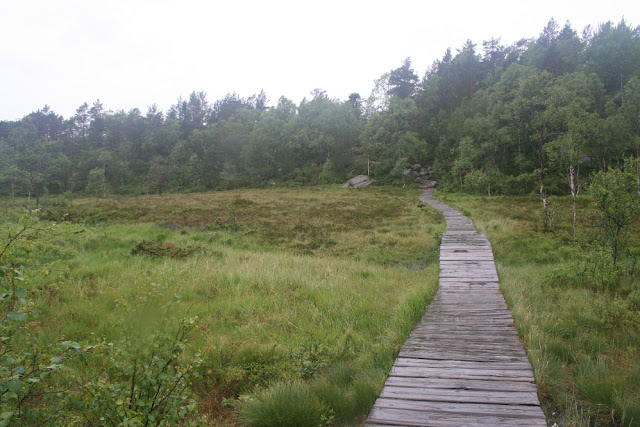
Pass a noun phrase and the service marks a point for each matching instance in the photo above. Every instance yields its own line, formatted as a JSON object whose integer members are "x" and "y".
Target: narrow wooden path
{"x": 463, "y": 364}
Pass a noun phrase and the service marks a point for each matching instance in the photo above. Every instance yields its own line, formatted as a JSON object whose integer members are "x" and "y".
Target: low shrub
{"x": 159, "y": 248}
{"x": 146, "y": 375}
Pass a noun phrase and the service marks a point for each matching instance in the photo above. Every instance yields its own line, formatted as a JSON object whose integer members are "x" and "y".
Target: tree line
{"x": 537, "y": 115}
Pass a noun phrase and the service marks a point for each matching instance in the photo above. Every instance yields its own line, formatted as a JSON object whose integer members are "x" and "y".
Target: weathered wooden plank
{"x": 494, "y": 337}
{"x": 477, "y": 284}
{"x": 475, "y": 354}
{"x": 452, "y": 309}
{"x": 470, "y": 296}
{"x": 453, "y": 299}
{"x": 469, "y": 279}
{"x": 403, "y": 417}
{"x": 462, "y": 249}
{"x": 478, "y": 350}
{"x": 515, "y": 411}
{"x": 465, "y": 274}
{"x": 470, "y": 301}
{"x": 467, "y": 329}
{"x": 464, "y": 384}
{"x": 473, "y": 313}
{"x": 461, "y": 320}
{"x": 463, "y": 324}
{"x": 469, "y": 293}
{"x": 442, "y": 346}
{"x": 466, "y": 317}
{"x": 471, "y": 374}
{"x": 468, "y": 342}
{"x": 465, "y": 257}
{"x": 460, "y": 395}
{"x": 467, "y": 339}
{"x": 459, "y": 355}
{"x": 465, "y": 364}
{"x": 467, "y": 267}
{"x": 490, "y": 264}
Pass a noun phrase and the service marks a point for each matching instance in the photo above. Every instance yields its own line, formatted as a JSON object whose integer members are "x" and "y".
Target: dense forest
{"x": 534, "y": 116}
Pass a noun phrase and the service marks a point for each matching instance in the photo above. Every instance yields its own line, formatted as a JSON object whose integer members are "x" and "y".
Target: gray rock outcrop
{"x": 422, "y": 176}
{"x": 358, "y": 182}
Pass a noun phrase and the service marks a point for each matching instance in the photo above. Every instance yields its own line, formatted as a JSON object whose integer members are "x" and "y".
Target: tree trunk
{"x": 545, "y": 203}
{"x": 543, "y": 195}
{"x": 638, "y": 165}
{"x": 573, "y": 184}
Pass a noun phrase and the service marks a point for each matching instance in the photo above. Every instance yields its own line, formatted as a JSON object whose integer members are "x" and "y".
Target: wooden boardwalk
{"x": 463, "y": 364}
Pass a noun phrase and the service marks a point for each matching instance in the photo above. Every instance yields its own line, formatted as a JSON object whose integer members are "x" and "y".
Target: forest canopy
{"x": 485, "y": 118}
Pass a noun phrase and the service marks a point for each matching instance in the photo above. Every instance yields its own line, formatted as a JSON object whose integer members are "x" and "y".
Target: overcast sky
{"x": 138, "y": 52}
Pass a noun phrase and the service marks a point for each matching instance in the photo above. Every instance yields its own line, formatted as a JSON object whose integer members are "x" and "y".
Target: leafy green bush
{"x": 590, "y": 268}
{"x": 617, "y": 206}
{"x": 28, "y": 367}
{"x": 476, "y": 182}
{"x": 146, "y": 374}
{"x": 143, "y": 379}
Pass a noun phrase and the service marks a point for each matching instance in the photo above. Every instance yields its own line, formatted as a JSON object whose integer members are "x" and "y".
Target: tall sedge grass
{"x": 287, "y": 404}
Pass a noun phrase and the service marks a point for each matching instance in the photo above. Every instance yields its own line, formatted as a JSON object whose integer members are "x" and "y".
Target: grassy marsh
{"x": 316, "y": 285}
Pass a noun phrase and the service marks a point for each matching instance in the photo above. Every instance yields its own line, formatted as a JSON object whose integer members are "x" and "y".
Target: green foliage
{"x": 145, "y": 376}
{"x": 328, "y": 174}
{"x": 96, "y": 184}
{"x": 315, "y": 354}
{"x": 403, "y": 81}
{"x": 397, "y": 173}
{"x": 552, "y": 106}
{"x": 476, "y": 182}
{"x": 28, "y": 367}
{"x": 617, "y": 203}
{"x": 590, "y": 268}
{"x": 24, "y": 368}
{"x": 147, "y": 373}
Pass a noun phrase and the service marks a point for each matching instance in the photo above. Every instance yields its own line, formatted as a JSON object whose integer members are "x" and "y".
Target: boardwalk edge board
{"x": 463, "y": 363}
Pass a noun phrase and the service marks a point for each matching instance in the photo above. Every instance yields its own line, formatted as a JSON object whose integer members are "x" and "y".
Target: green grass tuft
{"x": 287, "y": 404}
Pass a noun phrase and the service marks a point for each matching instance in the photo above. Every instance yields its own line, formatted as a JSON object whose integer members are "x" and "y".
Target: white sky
{"x": 138, "y": 52}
